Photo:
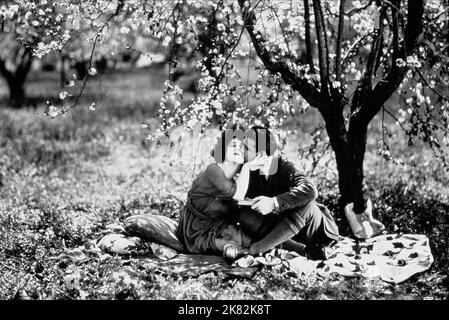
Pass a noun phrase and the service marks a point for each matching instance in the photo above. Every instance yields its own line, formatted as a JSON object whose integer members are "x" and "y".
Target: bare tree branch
{"x": 323, "y": 54}
{"x": 394, "y": 6}
{"x": 96, "y": 40}
{"x": 309, "y": 55}
{"x": 341, "y": 20}
{"x": 307, "y": 90}
{"x": 387, "y": 86}
{"x": 395, "y": 119}
{"x": 356, "y": 10}
{"x": 356, "y": 45}
{"x": 440, "y": 95}
{"x": 284, "y": 35}
{"x": 364, "y": 87}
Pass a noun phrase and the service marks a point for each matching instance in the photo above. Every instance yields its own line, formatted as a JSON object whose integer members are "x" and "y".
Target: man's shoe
{"x": 358, "y": 229}
{"x": 363, "y": 225}
{"x": 233, "y": 251}
{"x": 377, "y": 226}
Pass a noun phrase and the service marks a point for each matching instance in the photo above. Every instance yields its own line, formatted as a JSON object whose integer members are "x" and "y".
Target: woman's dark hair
{"x": 262, "y": 133}
{"x": 223, "y": 140}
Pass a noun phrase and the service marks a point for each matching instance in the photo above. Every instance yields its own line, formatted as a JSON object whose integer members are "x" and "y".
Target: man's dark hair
{"x": 264, "y": 134}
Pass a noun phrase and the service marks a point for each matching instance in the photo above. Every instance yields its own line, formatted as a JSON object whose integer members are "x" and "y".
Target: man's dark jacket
{"x": 292, "y": 189}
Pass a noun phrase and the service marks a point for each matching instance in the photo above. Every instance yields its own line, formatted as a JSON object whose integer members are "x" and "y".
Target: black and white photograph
{"x": 242, "y": 151}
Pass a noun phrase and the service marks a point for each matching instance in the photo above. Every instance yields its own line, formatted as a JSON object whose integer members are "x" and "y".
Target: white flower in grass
{"x": 52, "y": 111}
{"x": 92, "y": 71}
{"x": 92, "y": 107}
{"x": 63, "y": 95}
{"x": 124, "y": 30}
{"x": 71, "y": 83}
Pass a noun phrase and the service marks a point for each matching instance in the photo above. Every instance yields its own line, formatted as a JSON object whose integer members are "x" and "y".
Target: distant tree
{"x": 24, "y": 28}
{"x": 32, "y": 29}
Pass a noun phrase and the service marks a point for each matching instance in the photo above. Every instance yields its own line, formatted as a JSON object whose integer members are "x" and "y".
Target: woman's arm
{"x": 242, "y": 183}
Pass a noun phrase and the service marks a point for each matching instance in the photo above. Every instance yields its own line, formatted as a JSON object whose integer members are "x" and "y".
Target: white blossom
{"x": 92, "y": 71}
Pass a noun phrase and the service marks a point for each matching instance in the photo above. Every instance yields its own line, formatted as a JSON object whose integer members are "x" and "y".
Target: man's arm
{"x": 302, "y": 190}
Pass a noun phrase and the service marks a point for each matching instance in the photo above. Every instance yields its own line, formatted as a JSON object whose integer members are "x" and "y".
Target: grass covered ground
{"x": 63, "y": 180}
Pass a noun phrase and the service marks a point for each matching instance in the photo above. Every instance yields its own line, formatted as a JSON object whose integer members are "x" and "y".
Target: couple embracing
{"x": 251, "y": 200}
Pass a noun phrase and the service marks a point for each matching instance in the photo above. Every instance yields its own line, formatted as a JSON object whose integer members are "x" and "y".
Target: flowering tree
{"x": 345, "y": 59}
{"x": 363, "y": 53}
{"x": 32, "y": 29}
{"x": 25, "y": 27}
{"x": 20, "y": 32}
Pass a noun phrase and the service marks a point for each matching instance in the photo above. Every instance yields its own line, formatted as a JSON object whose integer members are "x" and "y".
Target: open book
{"x": 245, "y": 202}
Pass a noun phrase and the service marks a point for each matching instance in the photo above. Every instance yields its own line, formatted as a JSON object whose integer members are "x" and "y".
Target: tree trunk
{"x": 102, "y": 64}
{"x": 16, "y": 93}
{"x": 81, "y": 69}
{"x": 349, "y": 149}
{"x": 16, "y": 78}
{"x": 349, "y": 144}
{"x": 62, "y": 74}
{"x": 358, "y": 137}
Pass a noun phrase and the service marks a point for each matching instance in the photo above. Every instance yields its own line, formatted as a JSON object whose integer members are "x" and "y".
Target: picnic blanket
{"x": 393, "y": 258}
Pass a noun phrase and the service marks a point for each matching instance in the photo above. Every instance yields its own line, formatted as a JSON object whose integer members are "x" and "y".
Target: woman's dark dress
{"x": 206, "y": 215}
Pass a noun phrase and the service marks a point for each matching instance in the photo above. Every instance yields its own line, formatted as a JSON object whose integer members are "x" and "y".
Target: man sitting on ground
{"x": 284, "y": 211}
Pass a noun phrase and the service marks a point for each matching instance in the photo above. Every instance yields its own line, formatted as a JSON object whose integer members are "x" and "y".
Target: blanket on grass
{"x": 393, "y": 258}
